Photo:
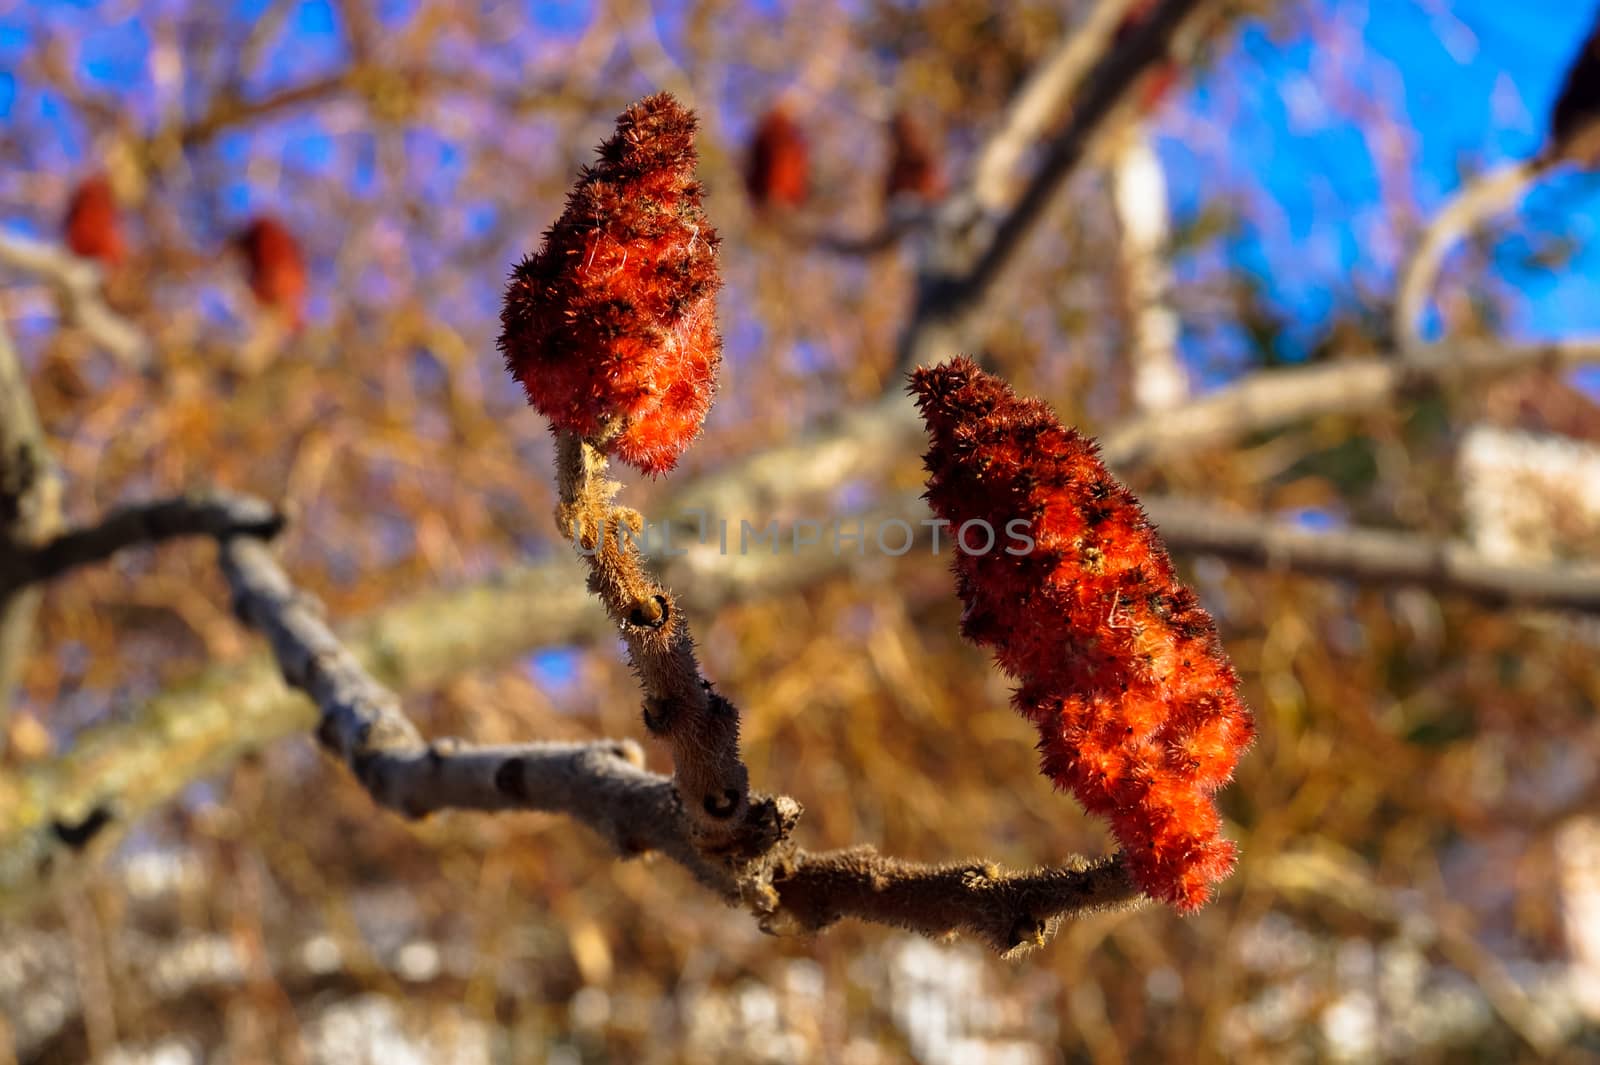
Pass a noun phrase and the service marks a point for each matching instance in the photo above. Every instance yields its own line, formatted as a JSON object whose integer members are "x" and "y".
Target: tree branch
{"x": 1273, "y": 399}
{"x": 863, "y": 443}
{"x": 602, "y": 785}
{"x": 362, "y": 725}
{"x": 1371, "y": 556}
{"x": 681, "y": 707}
{"x": 1042, "y": 100}
{"x": 79, "y": 281}
{"x": 960, "y": 276}
{"x": 1467, "y": 209}
{"x": 1044, "y": 97}
{"x": 30, "y": 510}
{"x": 214, "y": 514}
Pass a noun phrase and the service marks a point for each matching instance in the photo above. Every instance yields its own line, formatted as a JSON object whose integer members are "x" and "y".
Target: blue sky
{"x": 1469, "y": 82}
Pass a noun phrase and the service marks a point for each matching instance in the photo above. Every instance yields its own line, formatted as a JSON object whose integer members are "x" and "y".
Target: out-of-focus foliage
{"x": 1414, "y": 860}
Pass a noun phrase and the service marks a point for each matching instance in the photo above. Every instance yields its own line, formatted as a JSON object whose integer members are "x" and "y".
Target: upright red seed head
{"x": 1137, "y": 706}
{"x": 275, "y": 266}
{"x": 613, "y": 323}
{"x": 778, "y": 169}
{"x": 92, "y": 226}
{"x": 913, "y": 161}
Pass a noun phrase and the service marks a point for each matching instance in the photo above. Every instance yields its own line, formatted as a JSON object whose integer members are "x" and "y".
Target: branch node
{"x": 650, "y": 613}
{"x": 77, "y": 834}
{"x": 659, "y": 715}
{"x": 508, "y": 779}
{"x": 722, "y": 807}
{"x": 1028, "y": 931}
{"x": 627, "y": 751}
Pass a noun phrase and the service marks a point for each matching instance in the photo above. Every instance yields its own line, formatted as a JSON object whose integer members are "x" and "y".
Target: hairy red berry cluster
{"x": 93, "y": 226}
{"x": 1121, "y": 670}
{"x": 913, "y": 161}
{"x": 612, "y": 326}
{"x": 778, "y": 169}
{"x": 276, "y": 266}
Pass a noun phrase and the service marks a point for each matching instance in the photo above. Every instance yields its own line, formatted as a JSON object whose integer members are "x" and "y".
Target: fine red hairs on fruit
{"x": 611, "y": 327}
{"x": 275, "y": 267}
{"x": 778, "y": 169}
{"x": 92, "y": 226}
{"x": 1120, "y": 668}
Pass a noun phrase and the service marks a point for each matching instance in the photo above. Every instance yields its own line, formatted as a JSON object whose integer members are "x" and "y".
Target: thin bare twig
{"x": 789, "y": 889}
{"x": 681, "y": 707}
{"x": 1468, "y": 208}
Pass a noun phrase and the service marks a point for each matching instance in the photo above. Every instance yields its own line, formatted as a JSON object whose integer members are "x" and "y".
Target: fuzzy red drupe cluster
{"x": 1137, "y": 706}
{"x": 778, "y": 169}
{"x": 92, "y": 226}
{"x": 276, "y": 266}
{"x": 612, "y": 326}
{"x": 913, "y": 161}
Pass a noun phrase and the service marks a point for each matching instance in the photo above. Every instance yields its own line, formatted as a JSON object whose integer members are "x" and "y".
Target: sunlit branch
{"x": 601, "y": 784}
{"x": 1272, "y": 399}
{"x": 1479, "y": 198}
{"x": 979, "y": 248}
{"x": 79, "y": 282}
{"x": 30, "y": 509}
{"x": 1372, "y": 556}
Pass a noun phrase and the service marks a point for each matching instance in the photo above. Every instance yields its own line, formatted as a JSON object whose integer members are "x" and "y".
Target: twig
{"x": 681, "y": 707}
{"x": 227, "y": 110}
{"x": 79, "y": 281}
{"x": 362, "y": 725}
{"x": 1467, "y": 209}
{"x": 116, "y": 772}
{"x": 199, "y": 514}
{"x": 601, "y": 784}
